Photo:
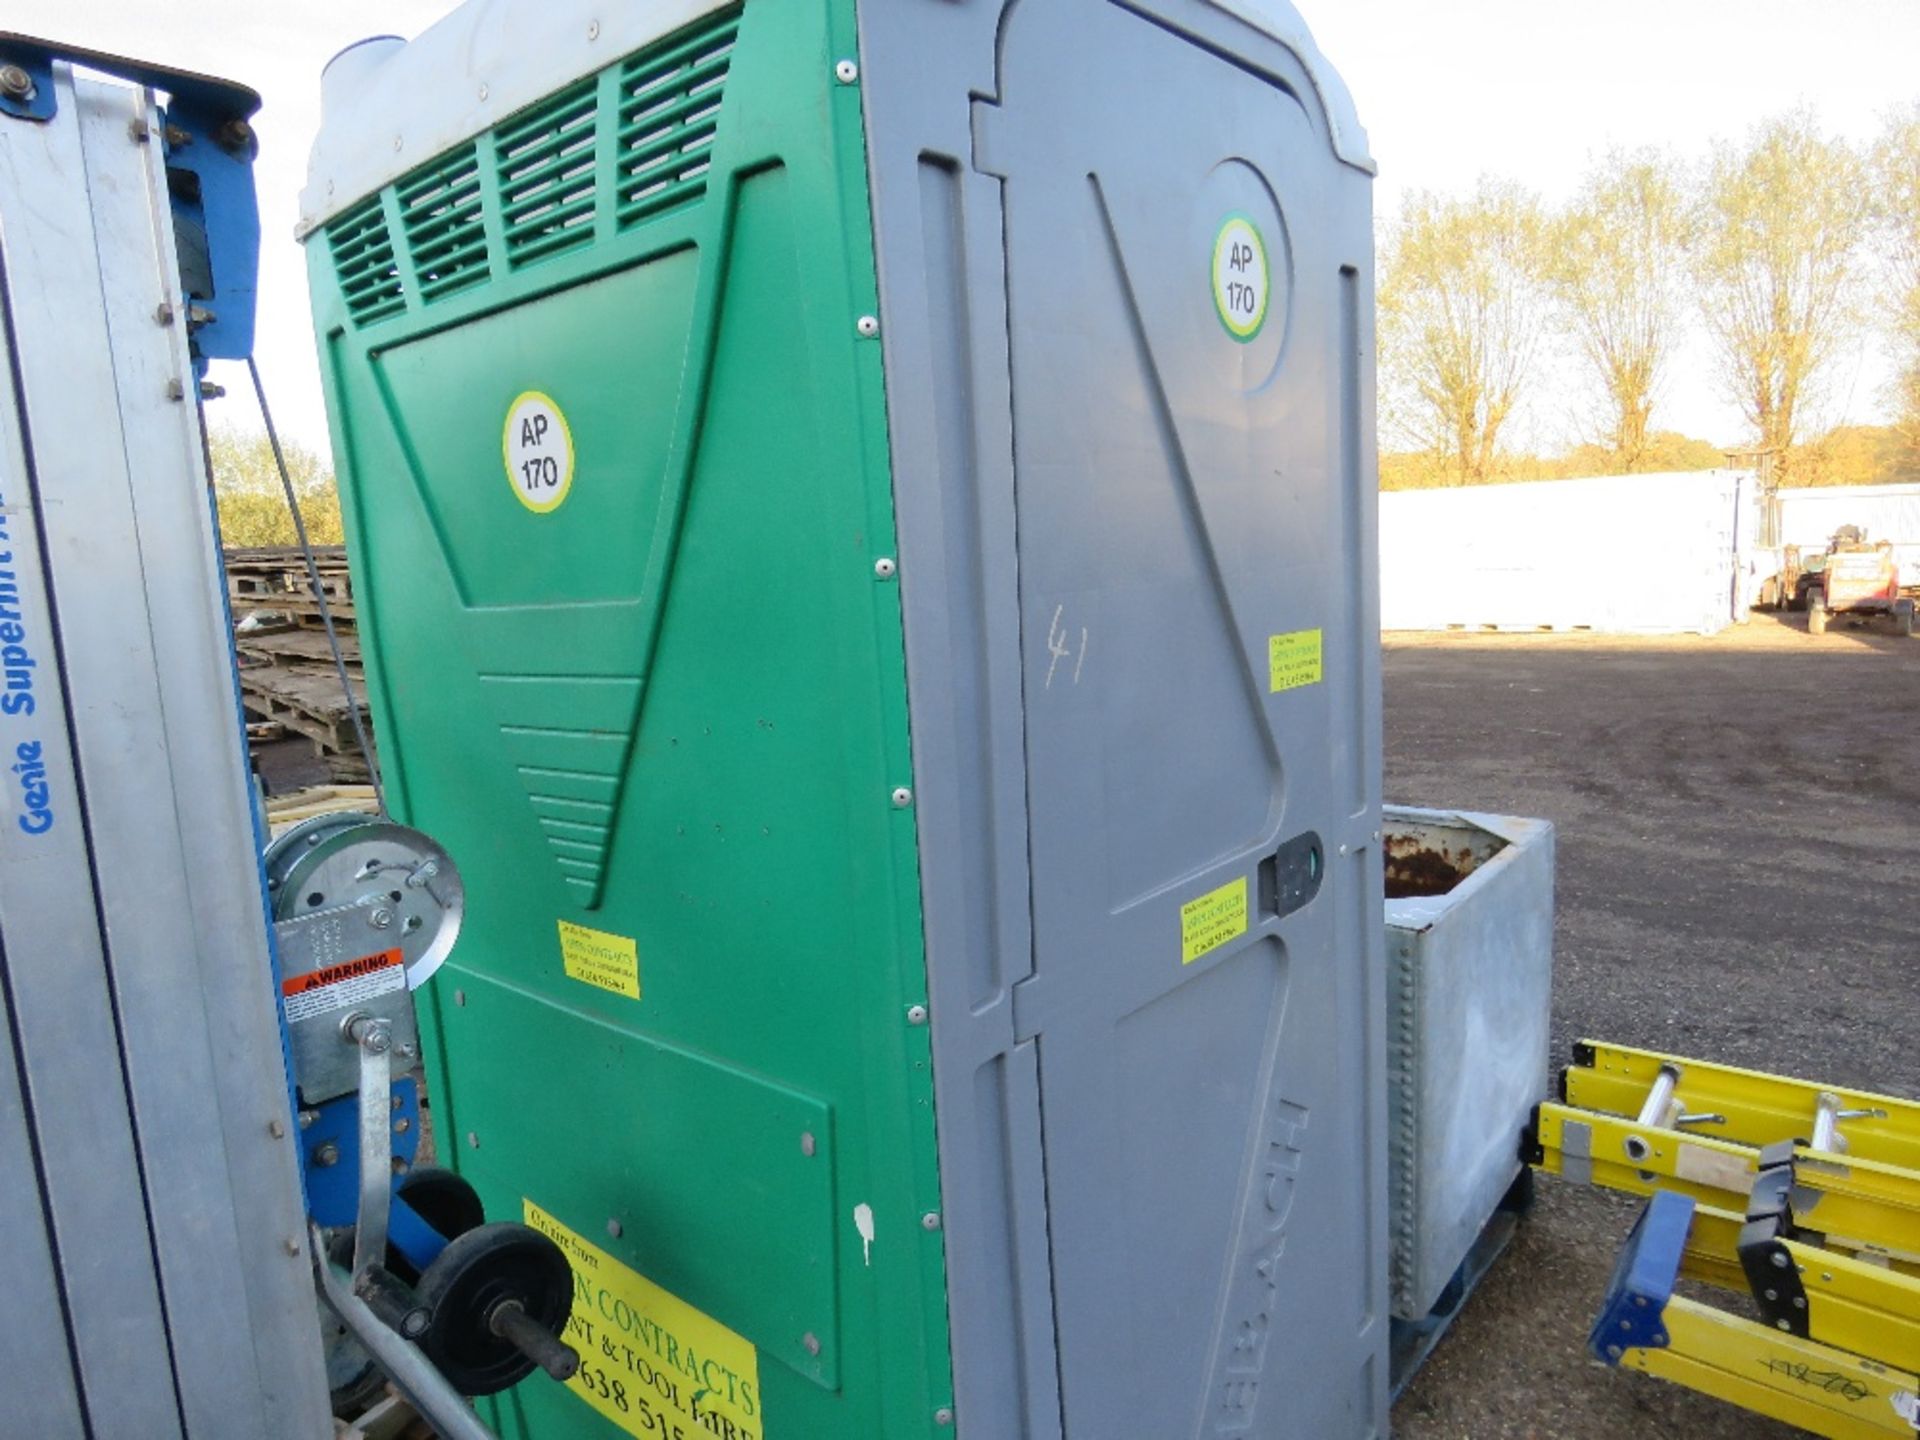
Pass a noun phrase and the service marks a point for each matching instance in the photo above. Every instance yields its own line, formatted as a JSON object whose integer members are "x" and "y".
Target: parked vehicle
{"x": 1860, "y": 580}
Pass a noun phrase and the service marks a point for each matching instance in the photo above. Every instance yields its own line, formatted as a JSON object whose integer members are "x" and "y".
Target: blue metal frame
{"x": 1632, "y": 1316}
{"x": 207, "y": 138}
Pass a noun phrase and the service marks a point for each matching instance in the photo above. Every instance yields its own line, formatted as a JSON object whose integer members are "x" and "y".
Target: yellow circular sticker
{"x": 1240, "y": 279}
{"x": 538, "y": 449}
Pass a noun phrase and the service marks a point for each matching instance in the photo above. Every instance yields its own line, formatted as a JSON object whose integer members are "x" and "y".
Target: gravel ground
{"x": 1737, "y": 819}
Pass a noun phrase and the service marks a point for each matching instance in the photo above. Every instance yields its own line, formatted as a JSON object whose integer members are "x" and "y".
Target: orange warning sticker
{"x": 349, "y": 983}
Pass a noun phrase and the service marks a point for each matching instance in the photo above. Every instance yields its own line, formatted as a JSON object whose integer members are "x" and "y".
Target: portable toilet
{"x": 863, "y": 530}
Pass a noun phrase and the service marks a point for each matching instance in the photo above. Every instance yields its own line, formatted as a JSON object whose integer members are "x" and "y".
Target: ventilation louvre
{"x": 363, "y": 260}
{"x": 547, "y": 170}
{"x": 440, "y": 213}
{"x": 669, "y": 112}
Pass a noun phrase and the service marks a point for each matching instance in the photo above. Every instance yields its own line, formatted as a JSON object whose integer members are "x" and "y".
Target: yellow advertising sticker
{"x": 650, "y": 1362}
{"x": 1293, "y": 660}
{"x": 610, "y": 961}
{"x": 1211, "y": 921}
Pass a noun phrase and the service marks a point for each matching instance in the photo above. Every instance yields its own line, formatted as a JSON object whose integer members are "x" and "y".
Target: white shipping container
{"x": 1624, "y": 553}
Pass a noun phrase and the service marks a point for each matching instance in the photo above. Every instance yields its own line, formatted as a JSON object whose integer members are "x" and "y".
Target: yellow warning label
{"x": 649, "y": 1361}
{"x": 1293, "y": 660}
{"x": 610, "y": 961}
{"x": 1211, "y": 921}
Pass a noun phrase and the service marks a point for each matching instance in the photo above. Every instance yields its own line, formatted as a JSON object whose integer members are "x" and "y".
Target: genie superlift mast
{"x": 204, "y": 1104}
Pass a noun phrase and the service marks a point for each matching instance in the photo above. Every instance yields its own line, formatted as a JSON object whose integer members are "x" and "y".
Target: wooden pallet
{"x": 309, "y": 704}
{"x": 298, "y": 649}
{"x": 275, "y": 578}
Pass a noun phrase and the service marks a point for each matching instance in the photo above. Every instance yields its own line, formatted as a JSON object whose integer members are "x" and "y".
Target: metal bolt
{"x": 397, "y": 1102}
{"x": 380, "y": 917}
{"x": 1783, "y": 1325}
{"x": 846, "y": 72}
{"x": 175, "y": 390}
{"x": 307, "y": 1117}
{"x": 326, "y": 1154}
{"x": 406, "y": 1051}
{"x": 460, "y": 997}
{"x": 593, "y": 30}
{"x": 884, "y": 567}
{"x": 902, "y": 797}
{"x": 1614, "y": 1351}
{"x": 943, "y": 1416}
{"x": 868, "y": 326}
{"x": 483, "y": 92}
{"x": 1773, "y": 1294}
{"x": 930, "y": 1220}
{"x": 291, "y": 1245}
{"x": 614, "y": 1227}
{"x": 211, "y": 391}
{"x": 473, "y": 1140}
{"x": 810, "y": 1343}
{"x": 1799, "y": 1302}
{"x": 807, "y": 1143}
{"x": 176, "y": 137}
{"x": 163, "y": 314}
{"x": 399, "y": 1165}
{"x": 236, "y": 135}
{"x": 396, "y": 142}
{"x": 138, "y": 132}
{"x": 916, "y": 1014}
{"x": 277, "y": 1128}
{"x": 1781, "y": 1260}
{"x": 15, "y": 83}
{"x": 402, "y": 1125}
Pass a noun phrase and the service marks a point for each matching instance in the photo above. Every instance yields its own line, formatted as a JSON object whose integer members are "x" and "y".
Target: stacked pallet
{"x": 288, "y": 681}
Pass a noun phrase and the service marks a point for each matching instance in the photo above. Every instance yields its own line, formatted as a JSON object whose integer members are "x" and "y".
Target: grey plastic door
{"x": 1184, "y": 263}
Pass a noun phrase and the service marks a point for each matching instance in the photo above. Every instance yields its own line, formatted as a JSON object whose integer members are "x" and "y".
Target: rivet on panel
{"x": 846, "y": 72}
{"x": 916, "y": 1015}
{"x": 943, "y": 1416}
{"x": 593, "y": 30}
{"x": 808, "y": 1145}
{"x": 473, "y": 1140}
{"x": 397, "y": 142}
{"x": 810, "y": 1342}
{"x": 277, "y": 1129}
{"x": 614, "y": 1227}
{"x": 868, "y": 325}
{"x": 460, "y": 997}
{"x": 930, "y": 1220}
{"x": 483, "y": 91}
{"x": 884, "y": 567}
{"x": 902, "y": 797}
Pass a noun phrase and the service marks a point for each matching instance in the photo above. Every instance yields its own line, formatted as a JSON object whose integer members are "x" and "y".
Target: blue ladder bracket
{"x": 1632, "y": 1317}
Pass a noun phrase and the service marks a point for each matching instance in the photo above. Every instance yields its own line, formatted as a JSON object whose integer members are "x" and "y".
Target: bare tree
{"x": 1615, "y": 263}
{"x": 1896, "y": 177}
{"x": 1461, "y": 314}
{"x": 1782, "y": 219}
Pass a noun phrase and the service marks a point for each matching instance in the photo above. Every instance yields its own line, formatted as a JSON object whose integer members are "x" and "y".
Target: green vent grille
{"x": 363, "y": 259}
{"x": 669, "y": 112}
{"x": 440, "y": 212}
{"x": 546, "y": 164}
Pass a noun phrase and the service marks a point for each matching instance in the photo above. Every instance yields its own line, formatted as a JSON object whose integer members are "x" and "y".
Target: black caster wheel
{"x": 498, "y": 1296}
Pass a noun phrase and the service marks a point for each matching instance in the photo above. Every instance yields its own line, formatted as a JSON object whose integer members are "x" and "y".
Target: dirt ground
{"x": 1738, "y": 820}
